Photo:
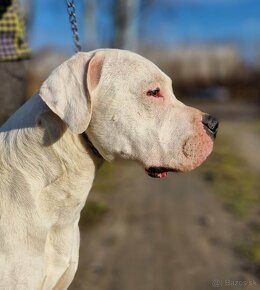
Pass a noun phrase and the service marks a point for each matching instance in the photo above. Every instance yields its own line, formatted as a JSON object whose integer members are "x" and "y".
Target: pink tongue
{"x": 162, "y": 174}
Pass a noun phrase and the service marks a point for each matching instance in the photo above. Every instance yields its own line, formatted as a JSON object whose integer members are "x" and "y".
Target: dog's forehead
{"x": 130, "y": 66}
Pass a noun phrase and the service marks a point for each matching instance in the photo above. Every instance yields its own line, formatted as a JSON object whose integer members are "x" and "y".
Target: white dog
{"x": 95, "y": 106}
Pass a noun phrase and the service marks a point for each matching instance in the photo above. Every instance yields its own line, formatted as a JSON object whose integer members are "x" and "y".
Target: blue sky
{"x": 170, "y": 22}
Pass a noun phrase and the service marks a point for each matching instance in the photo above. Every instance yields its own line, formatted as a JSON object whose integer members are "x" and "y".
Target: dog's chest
{"x": 60, "y": 203}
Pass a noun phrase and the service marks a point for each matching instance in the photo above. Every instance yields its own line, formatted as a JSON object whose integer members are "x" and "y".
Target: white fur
{"x": 47, "y": 168}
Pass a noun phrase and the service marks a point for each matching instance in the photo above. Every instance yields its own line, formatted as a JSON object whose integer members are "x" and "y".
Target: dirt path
{"x": 160, "y": 235}
{"x": 169, "y": 234}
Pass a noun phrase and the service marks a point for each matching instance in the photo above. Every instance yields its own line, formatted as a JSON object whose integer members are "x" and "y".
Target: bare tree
{"x": 90, "y": 18}
{"x": 125, "y": 23}
{"x": 132, "y": 23}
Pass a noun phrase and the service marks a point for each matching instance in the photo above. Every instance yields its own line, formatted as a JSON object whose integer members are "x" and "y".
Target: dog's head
{"x": 126, "y": 106}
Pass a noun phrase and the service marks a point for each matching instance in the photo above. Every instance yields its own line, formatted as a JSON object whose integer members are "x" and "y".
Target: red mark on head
{"x": 154, "y": 93}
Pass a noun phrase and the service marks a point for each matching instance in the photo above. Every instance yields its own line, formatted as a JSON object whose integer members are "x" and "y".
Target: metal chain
{"x": 73, "y": 22}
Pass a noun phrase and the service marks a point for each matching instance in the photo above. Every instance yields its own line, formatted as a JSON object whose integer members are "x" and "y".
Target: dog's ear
{"x": 67, "y": 91}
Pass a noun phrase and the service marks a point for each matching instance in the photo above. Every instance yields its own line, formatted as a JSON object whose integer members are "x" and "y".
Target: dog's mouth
{"x": 159, "y": 172}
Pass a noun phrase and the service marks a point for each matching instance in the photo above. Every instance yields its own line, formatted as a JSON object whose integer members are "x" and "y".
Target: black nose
{"x": 211, "y": 124}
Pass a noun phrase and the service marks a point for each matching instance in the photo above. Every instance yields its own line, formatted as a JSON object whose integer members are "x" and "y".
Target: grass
{"x": 105, "y": 178}
{"x": 232, "y": 178}
{"x": 250, "y": 250}
{"x": 93, "y": 213}
{"x": 257, "y": 126}
{"x": 238, "y": 186}
{"x": 94, "y": 210}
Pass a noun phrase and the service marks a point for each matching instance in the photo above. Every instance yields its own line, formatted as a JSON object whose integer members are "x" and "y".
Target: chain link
{"x": 73, "y": 22}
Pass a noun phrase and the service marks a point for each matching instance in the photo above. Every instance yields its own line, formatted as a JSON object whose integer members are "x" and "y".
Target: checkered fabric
{"x": 12, "y": 32}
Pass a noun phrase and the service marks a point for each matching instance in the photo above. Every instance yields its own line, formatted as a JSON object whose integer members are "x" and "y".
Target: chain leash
{"x": 73, "y": 22}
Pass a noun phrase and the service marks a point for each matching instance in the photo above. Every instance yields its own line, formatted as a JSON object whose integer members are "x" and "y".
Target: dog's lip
{"x": 159, "y": 171}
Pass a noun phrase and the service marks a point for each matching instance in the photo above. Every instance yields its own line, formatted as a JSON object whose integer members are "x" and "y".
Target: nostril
{"x": 211, "y": 123}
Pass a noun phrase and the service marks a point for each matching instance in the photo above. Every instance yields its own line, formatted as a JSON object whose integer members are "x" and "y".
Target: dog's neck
{"x": 51, "y": 151}
{"x": 92, "y": 147}
{"x": 59, "y": 135}
{"x": 76, "y": 157}
{"x": 46, "y": 129}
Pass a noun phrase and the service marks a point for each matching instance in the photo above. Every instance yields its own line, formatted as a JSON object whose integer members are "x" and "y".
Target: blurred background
{"x": 199, "y": 230}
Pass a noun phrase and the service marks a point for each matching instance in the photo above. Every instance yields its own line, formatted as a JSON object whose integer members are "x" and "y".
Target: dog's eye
{"x": 154, "y": 93}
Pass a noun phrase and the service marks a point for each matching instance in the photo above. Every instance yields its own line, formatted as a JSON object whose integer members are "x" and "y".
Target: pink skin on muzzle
{"x": 197, "y": 147}
{"x": 194, "y": 151}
